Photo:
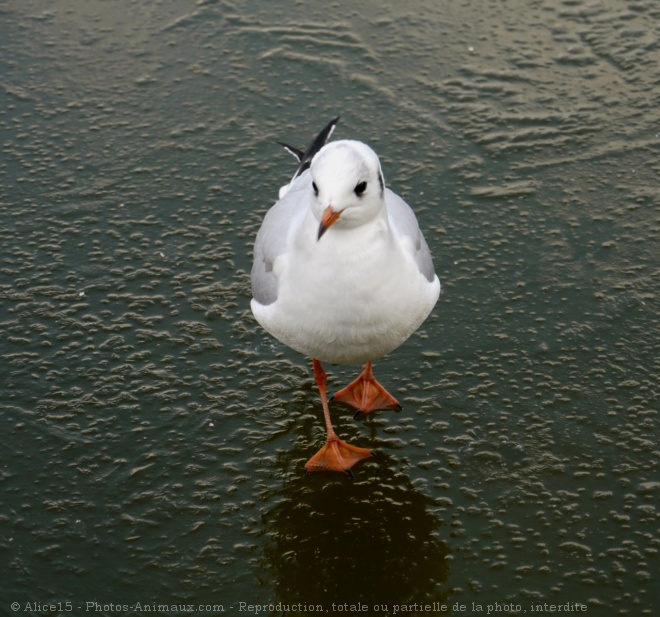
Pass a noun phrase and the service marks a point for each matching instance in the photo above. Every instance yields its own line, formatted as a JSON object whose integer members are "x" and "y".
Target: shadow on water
{"x": 370, "y": 541}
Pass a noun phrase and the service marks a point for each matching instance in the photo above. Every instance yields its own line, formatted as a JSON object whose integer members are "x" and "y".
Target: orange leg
{"x": 366, "y": 394}
{"x": 335, "y": 455}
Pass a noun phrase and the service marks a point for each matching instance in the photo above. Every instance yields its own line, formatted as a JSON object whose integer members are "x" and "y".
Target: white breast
{"x": 354, "y": 295}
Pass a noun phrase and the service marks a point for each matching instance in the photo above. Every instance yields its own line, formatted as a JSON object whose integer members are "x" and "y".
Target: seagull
{"x": 342, "y": 274}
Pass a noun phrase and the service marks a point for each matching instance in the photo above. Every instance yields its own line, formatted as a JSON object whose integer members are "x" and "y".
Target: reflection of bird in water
{"x": 342, "y": 274}
{"x": 373, "y": 542}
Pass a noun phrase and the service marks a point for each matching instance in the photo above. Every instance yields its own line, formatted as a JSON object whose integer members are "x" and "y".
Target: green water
{"x": 154, "y": 436}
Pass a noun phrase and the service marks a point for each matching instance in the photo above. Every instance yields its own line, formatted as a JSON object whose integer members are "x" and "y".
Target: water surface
{"x": 155, "y": 436}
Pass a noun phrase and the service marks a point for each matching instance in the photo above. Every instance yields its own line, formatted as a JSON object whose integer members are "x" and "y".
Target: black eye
{"x": 361, "y": 188}
{"x": 315, "y": 188}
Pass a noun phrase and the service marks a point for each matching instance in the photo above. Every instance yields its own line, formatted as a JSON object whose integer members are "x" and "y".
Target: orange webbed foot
{"x": 337, "y": 455}
{"x": 366, "y": 394}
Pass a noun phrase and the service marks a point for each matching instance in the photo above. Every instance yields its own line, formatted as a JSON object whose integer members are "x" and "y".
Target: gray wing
{"x": 403, "y": 219}
{"x": 273, "y": 235}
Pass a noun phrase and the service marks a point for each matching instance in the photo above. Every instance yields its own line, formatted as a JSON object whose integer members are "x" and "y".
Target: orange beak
{"x": 327, "y": 220}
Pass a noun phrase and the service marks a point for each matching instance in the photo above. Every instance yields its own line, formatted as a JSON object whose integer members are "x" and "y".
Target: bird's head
{"x": 347, "y": 185}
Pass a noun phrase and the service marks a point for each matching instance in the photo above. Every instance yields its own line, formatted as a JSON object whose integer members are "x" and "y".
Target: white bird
{"x": 342, "y": 274}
